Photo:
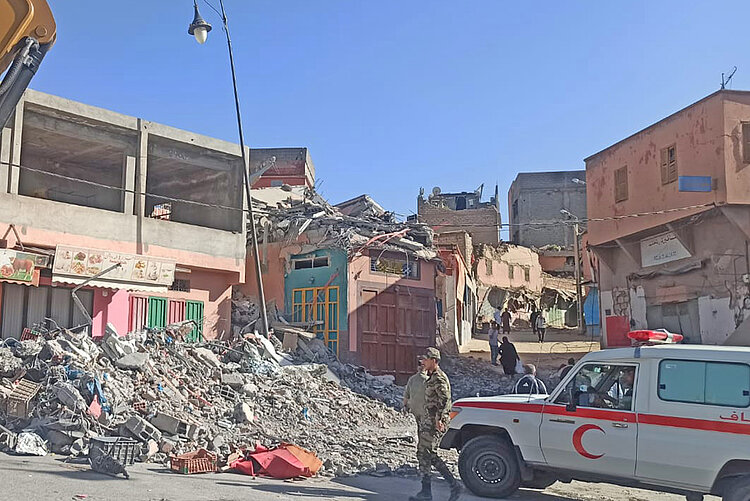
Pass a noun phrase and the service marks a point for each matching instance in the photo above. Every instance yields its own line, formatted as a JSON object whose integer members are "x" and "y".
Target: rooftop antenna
{"x": 725, "y": 82}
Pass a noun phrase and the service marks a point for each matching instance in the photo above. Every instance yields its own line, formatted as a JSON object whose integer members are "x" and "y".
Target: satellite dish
{"x": 436, "y": 191}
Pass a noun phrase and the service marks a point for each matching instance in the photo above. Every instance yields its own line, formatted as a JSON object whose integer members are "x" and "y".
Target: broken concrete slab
{"x": 133, "y": 361}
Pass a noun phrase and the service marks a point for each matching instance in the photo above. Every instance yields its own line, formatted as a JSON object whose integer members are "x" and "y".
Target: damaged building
{"x": 463, "y": 211}
{"x": 365, "y": 285}
{"x": 146, "y": 217}
{"x": 682, "y": 263}
{"x": 510, "y": 276}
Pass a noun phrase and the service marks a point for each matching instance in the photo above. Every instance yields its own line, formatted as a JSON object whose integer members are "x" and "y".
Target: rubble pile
{"x": 173, "y": 397}
{"x": 354, "y": 377}
{"x": 471, "y": 377}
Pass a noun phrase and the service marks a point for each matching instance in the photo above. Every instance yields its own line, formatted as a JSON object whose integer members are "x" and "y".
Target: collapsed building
{"x": 510, "y": 276}
{"x": 364, "y": 284}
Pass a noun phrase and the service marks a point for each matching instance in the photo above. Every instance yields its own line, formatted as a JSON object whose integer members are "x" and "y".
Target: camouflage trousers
{"x": 427, "y": 447}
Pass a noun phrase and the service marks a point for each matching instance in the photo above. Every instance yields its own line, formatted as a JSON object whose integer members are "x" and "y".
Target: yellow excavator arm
{"x": 27, "y": 32}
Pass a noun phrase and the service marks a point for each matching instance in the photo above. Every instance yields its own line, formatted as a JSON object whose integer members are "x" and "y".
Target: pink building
{"x": 86, "y": 189}
{"x": 670, "y": 222}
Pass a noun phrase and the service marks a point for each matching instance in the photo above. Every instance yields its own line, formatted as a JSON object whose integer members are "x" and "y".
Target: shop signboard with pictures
{"x": 18, "y": 266}
{"x": 83, "y": 263}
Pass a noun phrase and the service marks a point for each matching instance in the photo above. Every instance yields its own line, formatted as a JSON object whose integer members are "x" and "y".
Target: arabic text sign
{"x": 661, "y": 249}
{"x": 85, "y": 263}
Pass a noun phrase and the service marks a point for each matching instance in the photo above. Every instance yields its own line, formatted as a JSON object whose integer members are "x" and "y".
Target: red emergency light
{"x": 660, "y": 336}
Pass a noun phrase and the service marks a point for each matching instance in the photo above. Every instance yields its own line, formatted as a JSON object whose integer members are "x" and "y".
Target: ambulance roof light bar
{"x": 658, "y": 336}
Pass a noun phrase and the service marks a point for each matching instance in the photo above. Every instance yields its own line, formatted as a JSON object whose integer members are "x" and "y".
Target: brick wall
{"x": 462, "y": 240}
{"x": 483, "y": 224}
{"x": 539, "y": 197}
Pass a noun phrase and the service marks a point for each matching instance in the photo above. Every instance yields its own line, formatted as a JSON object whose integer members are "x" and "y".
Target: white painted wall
{"x": 638, "y": 307}
{"x": 607, "y": 303}
{"x": 716, "y": 319}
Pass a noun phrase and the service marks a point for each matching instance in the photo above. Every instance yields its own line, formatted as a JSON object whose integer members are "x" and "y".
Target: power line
{"x": 531, "y": 225}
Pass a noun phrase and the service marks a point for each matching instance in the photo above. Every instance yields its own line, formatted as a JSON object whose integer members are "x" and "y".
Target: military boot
{"x": 455, "y": 486}
{"x": 426, "y": 493}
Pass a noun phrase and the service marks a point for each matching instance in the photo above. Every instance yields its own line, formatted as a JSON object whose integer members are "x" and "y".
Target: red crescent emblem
{"x": 578, "y": 441}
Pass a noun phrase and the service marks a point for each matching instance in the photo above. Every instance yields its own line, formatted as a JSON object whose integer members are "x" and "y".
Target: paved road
{"x": 49, "y": 478}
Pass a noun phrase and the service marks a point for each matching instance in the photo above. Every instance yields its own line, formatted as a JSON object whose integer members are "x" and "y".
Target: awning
{"x": 109, "y": 284}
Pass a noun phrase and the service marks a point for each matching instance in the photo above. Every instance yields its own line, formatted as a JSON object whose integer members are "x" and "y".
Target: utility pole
{"x": 579, "y": 294}
{"x": 200, "y": 28}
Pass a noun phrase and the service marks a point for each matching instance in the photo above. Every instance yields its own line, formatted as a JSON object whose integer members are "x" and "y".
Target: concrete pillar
{"x": 245, "y": 201}
{"x": 141, "y": 168}
{"x": 15, "y": 156}
{"x": 128, "y": 183}
{"x": 5, "y": 141}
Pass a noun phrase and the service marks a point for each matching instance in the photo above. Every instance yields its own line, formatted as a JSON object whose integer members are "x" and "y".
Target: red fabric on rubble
{"x": 286, "y": 461}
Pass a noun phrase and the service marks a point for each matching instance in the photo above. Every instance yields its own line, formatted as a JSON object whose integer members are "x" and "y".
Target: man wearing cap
{"x": 434, "y": 424}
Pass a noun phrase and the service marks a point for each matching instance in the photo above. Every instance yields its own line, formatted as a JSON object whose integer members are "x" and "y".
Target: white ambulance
{"x": 672, "y": 418}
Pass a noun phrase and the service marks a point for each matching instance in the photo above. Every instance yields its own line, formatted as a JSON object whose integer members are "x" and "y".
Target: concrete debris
{"x": 133, "y": 361}
{"x": 31, "y": 444}
{"x": 219, "y": 396}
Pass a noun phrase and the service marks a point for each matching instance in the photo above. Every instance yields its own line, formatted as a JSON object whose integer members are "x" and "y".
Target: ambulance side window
{"x": 706, "y": 383}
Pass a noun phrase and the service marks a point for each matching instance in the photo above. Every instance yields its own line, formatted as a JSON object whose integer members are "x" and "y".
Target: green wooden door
{"x": 194, "y": 311}
{"x": 157, "y": 312}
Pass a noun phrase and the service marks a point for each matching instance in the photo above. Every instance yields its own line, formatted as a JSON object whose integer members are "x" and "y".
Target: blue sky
{"x": 393, "y": 95}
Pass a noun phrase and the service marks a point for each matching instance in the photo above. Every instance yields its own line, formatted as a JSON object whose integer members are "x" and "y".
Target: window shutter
{"x": 672, "y": 156}
{"x": 746, "y": 142}
{"x": 621, "y": 184}
{"x": 664, "y": 167}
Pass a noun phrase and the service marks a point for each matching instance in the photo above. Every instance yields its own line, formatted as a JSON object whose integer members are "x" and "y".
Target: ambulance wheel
{"x": 489, "y": 467}
{"x": 738, "y": 490}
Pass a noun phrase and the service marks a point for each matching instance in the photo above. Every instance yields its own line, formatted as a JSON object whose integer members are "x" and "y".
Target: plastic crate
{"x": 123, "y": 449}
{"x": 200, "y": 461}
{"x": 28, "y": 334}
{"x": 18, "y": 403}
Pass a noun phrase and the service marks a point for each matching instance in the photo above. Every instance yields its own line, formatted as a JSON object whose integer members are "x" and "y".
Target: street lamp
{"x": 199, "y": 28}
{"x": 577, "y": 252}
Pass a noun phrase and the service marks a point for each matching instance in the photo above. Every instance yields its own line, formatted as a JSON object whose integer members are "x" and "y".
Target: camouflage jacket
{"x": 437, "y": 398}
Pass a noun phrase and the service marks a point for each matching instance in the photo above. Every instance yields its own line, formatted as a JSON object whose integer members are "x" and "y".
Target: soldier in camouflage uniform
{"x": 434, "y": 424}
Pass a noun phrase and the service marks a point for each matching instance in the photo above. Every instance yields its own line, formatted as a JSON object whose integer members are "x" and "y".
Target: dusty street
{"x": 51, "y": 479}
{"x": 558, "y": 347}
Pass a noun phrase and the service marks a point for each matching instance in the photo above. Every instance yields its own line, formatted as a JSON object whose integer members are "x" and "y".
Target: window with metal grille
{"x": 488, "y": 265}
{"x": 320, "y": 307}
{"x": 527, "y": 274}
{"x": 669, "y": 164}
{"x": 180, "y": 285}
{"x": 510, "y": 271}
{"x": 621, "y": 184}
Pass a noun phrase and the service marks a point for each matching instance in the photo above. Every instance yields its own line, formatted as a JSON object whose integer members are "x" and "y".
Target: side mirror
{"x": 573, "y": 403}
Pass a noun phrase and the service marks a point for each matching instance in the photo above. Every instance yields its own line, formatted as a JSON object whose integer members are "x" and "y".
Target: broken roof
{"x": 285, "y": 213}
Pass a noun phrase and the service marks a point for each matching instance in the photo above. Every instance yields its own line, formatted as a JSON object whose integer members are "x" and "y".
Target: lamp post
{"x": 577, "y": 252}
{"x": 199, "y": 28}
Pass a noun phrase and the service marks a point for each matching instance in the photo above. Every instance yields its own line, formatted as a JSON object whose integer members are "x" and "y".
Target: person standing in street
{"x": 498, "y": 316}
{"x": 414, "y": 393}
{"x": 532, "y": 319}
{"x": 564, "y": 370}
{"x": 541, "y": 327}
{"x": 505, "y": 319}
{"x": 529, "y": 384}
{"x": 508, "y": 356}
{"x": 493, "y": 338}
{"x": 434, "y": 424}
